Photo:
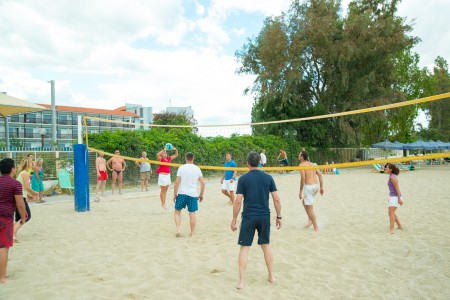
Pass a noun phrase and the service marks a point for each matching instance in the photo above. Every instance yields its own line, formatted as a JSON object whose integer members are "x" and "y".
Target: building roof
{"x": 92, "y": 110}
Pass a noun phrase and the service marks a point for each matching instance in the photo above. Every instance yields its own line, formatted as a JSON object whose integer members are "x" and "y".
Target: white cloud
{"x": 188, "y": 78}
{"x": 73, "y": 40}
{"x": 266, "y": 7}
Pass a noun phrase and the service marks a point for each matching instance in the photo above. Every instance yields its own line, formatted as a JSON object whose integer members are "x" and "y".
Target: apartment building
{"x": 178, "y": 110}
{"x": 34, "y": 130}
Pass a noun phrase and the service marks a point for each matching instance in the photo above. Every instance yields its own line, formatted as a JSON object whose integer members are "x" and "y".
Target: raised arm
{"x": 159, "y": 154}
{"x": 175, "y": 155}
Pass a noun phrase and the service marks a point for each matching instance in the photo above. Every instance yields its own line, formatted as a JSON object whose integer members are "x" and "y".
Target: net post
{"x": 81, "y": 178}
{"x": 80, "y": 140}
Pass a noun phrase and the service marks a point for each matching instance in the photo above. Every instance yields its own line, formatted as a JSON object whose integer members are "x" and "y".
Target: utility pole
{"x": 54, "y": 131}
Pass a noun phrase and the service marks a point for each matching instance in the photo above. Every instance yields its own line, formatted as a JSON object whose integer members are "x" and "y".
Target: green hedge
{"x": 208, "y": 151}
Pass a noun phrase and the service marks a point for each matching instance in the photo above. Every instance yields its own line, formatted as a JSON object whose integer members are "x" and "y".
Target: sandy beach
{"x": 125, "y": 247}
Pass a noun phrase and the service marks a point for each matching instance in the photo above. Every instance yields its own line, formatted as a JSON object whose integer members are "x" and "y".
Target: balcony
{"x": 64, "y": 122}
{"x": 67, "y": 136}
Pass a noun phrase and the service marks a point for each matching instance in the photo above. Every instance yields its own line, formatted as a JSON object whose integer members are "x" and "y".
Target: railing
{"x": 65, "y": 136}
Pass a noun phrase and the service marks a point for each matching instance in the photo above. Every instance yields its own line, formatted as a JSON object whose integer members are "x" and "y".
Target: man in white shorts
{"x": 228, "y": 180}
{"x": 310, "y": 183}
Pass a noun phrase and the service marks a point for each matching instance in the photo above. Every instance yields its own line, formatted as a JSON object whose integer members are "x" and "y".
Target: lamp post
{"x": 42, "y": 132}
{"x": 290, "y": 133}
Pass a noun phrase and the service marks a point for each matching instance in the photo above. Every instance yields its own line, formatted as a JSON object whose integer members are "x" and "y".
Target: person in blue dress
{"x": 37, "y": 179}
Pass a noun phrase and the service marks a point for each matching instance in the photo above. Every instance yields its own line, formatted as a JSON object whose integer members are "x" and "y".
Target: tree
{"x": 439, "y": 111}
{"x": 311, "y": 60}
{"x": 414, "y": 82}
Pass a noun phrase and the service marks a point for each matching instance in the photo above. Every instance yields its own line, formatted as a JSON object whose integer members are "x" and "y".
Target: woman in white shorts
{"x": 164, "y": 174}
{"x": 395, "y": 197}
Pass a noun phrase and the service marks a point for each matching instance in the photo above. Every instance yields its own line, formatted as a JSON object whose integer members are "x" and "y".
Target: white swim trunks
{"x": 229, "y": 186}
{"x": 393, "y": 201}
{"x": 164, "y": 179}
{"x": 309, "y": 192}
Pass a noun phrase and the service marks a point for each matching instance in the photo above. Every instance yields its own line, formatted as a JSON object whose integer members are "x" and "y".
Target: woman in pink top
{"x": 164, "y": 174}
{"x": 395, "y": 196}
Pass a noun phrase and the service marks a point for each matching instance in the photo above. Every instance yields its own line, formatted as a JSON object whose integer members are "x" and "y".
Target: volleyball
{"x": 169, "y": 146}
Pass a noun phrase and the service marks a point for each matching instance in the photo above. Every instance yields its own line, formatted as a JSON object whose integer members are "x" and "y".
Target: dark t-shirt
{"x": 9, "y": 188}
{"x": 256, "y": 186}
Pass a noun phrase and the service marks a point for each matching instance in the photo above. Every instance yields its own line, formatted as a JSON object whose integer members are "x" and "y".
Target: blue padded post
{"x": 81, "y": 177}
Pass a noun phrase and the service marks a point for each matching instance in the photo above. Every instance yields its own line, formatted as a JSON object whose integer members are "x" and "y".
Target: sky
{"x": 105, "y": 53}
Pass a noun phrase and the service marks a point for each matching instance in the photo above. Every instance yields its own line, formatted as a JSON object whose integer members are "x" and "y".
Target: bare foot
{"x": 164, "y": 206}
{"x": 400, "y": 227}
{"x": 2, "y": 280}
{"x": 391, "y": 231}
{"x": 240, "y": 285}
{"x": 178, "y": 234}
{"x": 271, "y": 279}
{"x": 316, "y": 229}
{"x": 307, "y": 225}
{"x": 192, "y": 234}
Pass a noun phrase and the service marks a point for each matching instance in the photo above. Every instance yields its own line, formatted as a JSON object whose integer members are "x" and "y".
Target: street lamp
{"x": 290, "y": 134}
{"x": 42, "y": 132}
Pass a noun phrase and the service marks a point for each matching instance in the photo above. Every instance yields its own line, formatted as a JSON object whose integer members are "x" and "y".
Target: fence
{"x": 56, "y": 160}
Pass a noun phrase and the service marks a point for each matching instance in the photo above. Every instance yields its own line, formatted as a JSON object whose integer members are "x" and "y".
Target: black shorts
{"x": 27, "y": 208}
{"x": 248, "y": 226}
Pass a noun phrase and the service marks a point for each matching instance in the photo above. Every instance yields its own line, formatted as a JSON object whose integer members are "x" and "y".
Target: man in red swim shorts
{"x": 102, "y": 174}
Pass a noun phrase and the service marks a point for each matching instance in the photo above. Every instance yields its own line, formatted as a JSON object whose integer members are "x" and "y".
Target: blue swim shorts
{"x": 184, "y": 200}
{"x": 248, "y": 226}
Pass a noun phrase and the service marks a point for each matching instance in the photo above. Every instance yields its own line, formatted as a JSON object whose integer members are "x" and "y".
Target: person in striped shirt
{"x": 10, "y": 199}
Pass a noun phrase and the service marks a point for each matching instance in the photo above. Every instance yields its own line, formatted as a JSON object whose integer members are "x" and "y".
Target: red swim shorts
{"x": 103, "y": 176}
{"x": 6, "y": 232}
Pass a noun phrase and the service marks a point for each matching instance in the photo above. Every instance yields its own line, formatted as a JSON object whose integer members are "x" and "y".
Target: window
{"x": 47, "y": 118}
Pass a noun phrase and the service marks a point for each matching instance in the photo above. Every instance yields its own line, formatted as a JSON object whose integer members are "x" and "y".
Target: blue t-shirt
{"x": 229, "y": 173}
{"x": 256, "y": 186}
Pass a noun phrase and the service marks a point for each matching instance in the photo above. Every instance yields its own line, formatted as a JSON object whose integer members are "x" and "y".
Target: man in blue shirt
{"x": 255, "y": 187}
{"x": 228, "y": 180}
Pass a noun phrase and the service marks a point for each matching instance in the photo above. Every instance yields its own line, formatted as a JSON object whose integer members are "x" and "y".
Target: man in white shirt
{"x": 263, "y": 157}
{"x": 185, "y": 192}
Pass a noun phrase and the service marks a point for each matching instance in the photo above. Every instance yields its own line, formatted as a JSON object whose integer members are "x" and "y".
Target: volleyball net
{"x": 209, "y": 143}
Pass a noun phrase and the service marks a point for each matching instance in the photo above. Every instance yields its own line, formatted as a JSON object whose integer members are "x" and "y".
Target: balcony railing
{"x": 65, "y": 136}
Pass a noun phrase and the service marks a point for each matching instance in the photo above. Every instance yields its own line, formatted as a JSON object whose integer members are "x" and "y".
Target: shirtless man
{"x": 118, "y": 166}
{"x": 284, "y": 159}
{"x": 102, "y": 175}
{"x": 309, "y": 181}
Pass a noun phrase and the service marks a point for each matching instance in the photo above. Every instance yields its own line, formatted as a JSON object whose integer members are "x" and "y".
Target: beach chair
{"x": 377, "y": 168}
{"x": 405, "y": 167}
{"x": 64, "y": 180}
